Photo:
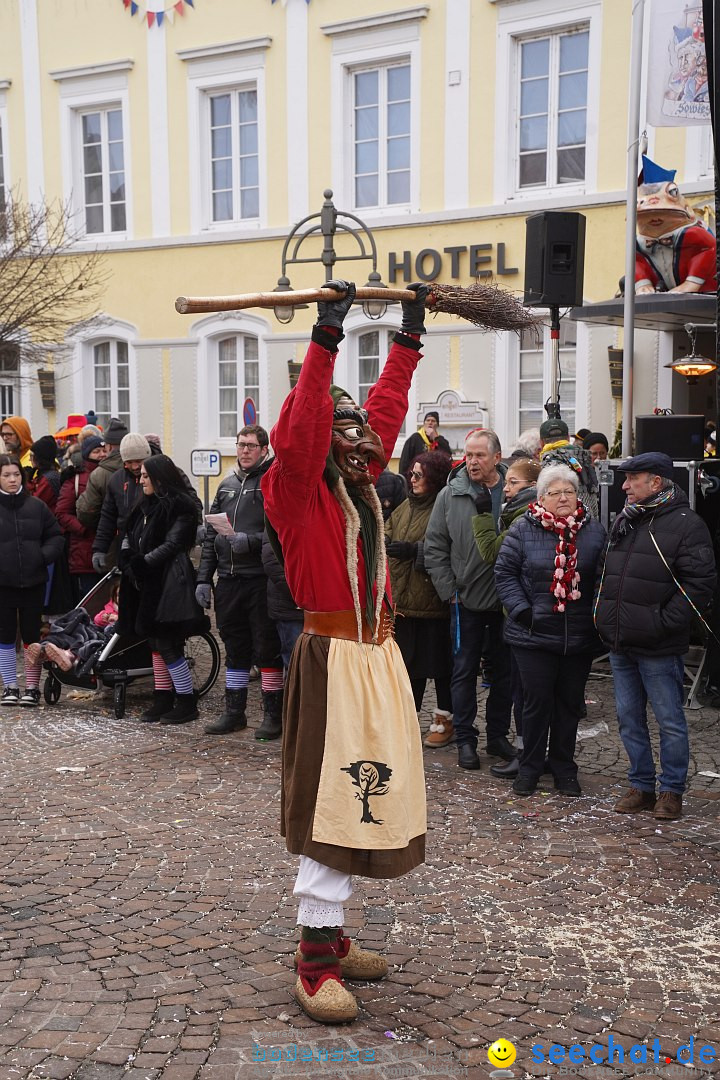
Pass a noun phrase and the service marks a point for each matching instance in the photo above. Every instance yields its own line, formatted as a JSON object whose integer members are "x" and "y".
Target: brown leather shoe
{"x": 668, "y": 806}
{"x": 635, "y": 802}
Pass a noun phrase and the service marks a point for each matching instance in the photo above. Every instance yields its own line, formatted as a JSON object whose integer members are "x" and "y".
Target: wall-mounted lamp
{"x": 693, "y": 365}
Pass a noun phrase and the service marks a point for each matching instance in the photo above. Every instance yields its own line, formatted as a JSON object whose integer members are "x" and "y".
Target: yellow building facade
{"x": 188, "y": 139}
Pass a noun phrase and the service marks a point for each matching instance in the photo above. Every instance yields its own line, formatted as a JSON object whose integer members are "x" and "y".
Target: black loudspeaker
{"x": 554, "y": 259}
{"x": 681, "y": 437}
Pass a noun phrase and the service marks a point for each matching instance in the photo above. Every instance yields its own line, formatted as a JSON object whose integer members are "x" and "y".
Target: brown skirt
{"x": 304, "y": 735}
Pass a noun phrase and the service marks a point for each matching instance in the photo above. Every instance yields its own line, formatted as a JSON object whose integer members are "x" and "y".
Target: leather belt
{"x": 343, "y": 624}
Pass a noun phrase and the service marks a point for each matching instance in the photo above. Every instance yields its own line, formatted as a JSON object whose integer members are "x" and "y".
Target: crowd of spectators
{"x": 498, "y": 566}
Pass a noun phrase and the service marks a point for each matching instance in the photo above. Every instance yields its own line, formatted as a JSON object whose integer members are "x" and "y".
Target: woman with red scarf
{"x": 545, "y": 576}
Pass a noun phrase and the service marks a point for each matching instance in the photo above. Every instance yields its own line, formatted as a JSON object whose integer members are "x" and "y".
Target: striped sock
{"x": 235, "y": 679}
{"x": 8, "y": 665}
{"x": 161, "y": 675}
{"x": 271, "y": 678}
{"x": 181, "y": 677}
{"x": 317, "y": 953}
{"x": 32, "y": 672}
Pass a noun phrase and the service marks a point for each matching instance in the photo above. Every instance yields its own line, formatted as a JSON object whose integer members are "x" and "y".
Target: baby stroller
{"x": 123, "y": 660}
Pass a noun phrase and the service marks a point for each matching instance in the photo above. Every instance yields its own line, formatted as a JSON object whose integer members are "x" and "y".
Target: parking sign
{"x": 205, "y": 463}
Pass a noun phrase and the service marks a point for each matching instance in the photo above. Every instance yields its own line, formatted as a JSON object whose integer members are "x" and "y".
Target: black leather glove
{"x": 400, "y": 549}
{"x": 333, "y": 312}
{"x": 524, "y": 617}
{"x": 138, "y": 566}
{"x": 413, "y": 311}
{"x": 483, "y": 501}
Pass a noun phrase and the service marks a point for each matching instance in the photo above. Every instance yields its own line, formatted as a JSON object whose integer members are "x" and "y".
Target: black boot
{"x": 162, "y": 703}
{"x": 185, "y": 710}
{"x": 234, "y": 718}
{"x": 271, "y": 727}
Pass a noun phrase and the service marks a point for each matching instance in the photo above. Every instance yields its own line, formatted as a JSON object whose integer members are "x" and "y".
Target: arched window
{"x": 111, "y": 381}
{"x": 238, "y": 378}
{"x": 232, "y": 367}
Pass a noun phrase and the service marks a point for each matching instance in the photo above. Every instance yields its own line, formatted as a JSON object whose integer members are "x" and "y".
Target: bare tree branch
{"x": 47, "y": 287}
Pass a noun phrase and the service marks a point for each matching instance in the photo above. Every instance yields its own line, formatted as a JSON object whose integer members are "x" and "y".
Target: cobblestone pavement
{"x": 148, "y": 920}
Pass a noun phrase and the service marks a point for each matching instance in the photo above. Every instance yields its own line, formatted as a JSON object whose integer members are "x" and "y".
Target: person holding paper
{"x": 234, "y": 552}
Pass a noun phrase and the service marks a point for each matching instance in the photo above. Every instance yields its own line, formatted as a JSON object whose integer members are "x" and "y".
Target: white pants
{"x": 322, "y": 893}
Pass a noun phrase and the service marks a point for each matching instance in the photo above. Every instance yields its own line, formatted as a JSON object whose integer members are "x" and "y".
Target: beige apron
{"x": 372, "y": 786}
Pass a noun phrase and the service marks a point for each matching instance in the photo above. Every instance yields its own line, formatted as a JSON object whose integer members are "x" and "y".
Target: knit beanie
{"x": 134, "y": 447}
{"x": 116, "y": 432}
{"x": 89, "y": 444}
{"x": 45, "y": 449}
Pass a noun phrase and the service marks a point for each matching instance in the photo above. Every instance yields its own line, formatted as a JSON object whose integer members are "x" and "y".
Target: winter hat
{"x": 89, "y": 444}
{"x": 434, "y": 414}
{"x": 116, "y": 432}
{"x": 553, "y": 429}
{"x": 134, "y": 447}
{"x": 45, "y": 449}
{"x": 22, "y": 429}
{"x": 154, "y": 440}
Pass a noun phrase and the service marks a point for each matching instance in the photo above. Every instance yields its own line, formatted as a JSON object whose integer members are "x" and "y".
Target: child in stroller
{"x": 120, "y": 659}
{"x": 74, "y": 640}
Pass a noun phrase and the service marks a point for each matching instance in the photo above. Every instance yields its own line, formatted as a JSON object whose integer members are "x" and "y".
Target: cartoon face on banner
{"x": 678, "y": 91}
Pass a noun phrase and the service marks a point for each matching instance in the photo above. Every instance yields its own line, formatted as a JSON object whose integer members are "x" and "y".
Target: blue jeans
{"x": 289, "y": 630}
{"x": 463, "y": 686}
{"x": 659, "y": 680}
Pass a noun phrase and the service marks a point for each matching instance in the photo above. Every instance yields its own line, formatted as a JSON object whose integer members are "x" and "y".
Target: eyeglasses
{"x": 569, "y": 492}
{"x": 248, "y": 445}
{"x": 514, "y": 480}
{"x": 417, "y": 476}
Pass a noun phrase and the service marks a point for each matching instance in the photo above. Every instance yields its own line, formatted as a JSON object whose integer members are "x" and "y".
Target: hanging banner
{"x": 678, "y": 92}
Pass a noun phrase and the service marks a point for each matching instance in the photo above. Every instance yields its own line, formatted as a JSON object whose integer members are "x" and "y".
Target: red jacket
{"x": 299, "y": 504}
{"x": 692, "y": 255}
{"x": 80, "y": 538}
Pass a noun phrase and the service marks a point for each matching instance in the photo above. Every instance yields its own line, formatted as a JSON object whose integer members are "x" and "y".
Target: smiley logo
{"x": 502, "y": 1053}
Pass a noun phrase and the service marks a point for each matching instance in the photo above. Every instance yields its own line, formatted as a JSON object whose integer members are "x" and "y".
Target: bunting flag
{"x": 154, "y": 17}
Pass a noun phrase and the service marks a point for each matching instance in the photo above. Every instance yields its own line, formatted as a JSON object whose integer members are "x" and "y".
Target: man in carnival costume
{"x": 353, "y": 791}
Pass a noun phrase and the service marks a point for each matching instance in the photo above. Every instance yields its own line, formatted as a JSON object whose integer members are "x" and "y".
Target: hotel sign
{"x": 462, "y": 260}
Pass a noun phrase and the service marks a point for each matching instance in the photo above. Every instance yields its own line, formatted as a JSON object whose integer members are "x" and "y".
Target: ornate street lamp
{"x": 327, "y": 223}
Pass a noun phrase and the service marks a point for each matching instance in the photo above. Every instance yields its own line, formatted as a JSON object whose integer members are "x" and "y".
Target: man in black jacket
{"x": 659, "y": 569}
{"x": 247, "y": 630}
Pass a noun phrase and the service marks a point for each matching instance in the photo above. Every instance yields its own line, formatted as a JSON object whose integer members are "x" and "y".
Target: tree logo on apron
{"x": 371, "y": 777}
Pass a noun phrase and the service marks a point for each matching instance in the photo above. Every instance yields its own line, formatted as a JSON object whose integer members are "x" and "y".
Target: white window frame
{"x": 84, "y": 90}
{"x": 11, "y": 379}
{"x": 363, "y": 44}
{"x": 506, "y": 382}
{"x": 103, "y": 112}
{"x": 104, "y": 328}
{"x": 347, "y": 362}
{"x": 7, "y": 181}
{"x": 209, "y": 332}
{"x": 519, "y": 22}
{"x": 223, "y": 69}
{"x": 699, "y": 153}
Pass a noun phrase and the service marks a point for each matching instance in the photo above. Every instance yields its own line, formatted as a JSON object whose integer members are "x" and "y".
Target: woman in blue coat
{"x": 545, "y": 577}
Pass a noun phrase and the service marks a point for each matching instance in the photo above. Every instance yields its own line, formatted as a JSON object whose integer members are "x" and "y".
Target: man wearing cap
{"x": 659, "y": 571}
{"x": 123, "y": 490}
{"x": 89, "y": 504}
{"x": 558, "y": 450}
{"x": 596, "y": 443}
{"x": 424, "y": 439}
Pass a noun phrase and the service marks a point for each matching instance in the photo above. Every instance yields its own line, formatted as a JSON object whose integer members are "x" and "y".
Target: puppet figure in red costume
{"x": 674, "y": 252}
{"x": 353, "y": 789}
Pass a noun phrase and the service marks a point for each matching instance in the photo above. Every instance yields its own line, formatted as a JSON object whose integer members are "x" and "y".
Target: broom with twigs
{"x": 486, "y": 306}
